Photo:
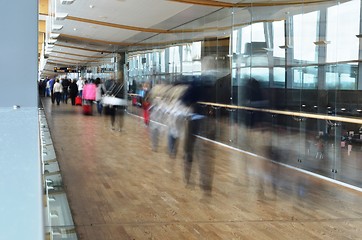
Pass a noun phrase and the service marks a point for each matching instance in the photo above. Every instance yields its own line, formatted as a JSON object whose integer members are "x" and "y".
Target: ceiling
{"x": 93, "y": 30}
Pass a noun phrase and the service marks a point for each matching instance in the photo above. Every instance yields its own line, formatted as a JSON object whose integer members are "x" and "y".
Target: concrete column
{"x": 20, "y": 165}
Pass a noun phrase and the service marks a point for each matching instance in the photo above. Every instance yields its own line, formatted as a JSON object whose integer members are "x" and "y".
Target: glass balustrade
{"x": 57, "y": 215}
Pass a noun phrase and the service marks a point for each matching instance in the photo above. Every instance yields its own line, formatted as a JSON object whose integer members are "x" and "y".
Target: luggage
{"x": 134, "y": 101}
{"x": 146, "y": 112}
{"x": 78, "y": 101}
{"x": 87, "y": 108}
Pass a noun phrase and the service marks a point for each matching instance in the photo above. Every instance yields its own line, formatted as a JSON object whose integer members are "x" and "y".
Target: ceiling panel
{"x": 103, "y": 27}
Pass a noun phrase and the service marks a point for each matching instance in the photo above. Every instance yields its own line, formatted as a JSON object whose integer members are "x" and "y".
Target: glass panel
{"x": 341, "y": 76}
{"x": 278, "y": 39}
{"x": 342, "y": 31}
{"x": 305, "y": 34}
{"x": 57, "y": 215}
{"x": 297, "y": 58}
{"x": 279, "y": 76}
{"x": 175, "y": 60}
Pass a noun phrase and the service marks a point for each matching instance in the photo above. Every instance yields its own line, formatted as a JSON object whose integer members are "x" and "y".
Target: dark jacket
{"x": 73, "y": 89}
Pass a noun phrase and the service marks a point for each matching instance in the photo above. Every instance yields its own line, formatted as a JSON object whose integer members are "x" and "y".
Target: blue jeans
{"x": 99, "y": 107}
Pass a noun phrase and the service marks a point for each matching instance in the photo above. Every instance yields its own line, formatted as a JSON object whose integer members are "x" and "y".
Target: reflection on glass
{"x": 296, "y": 79}
{"x": 278, "y": 39}
{"x": 305, "y": 34}
{"x": 342, "y": 31}
{"x": 175, "y": 60}
{"x": 341, "y": 76}
{"x": 279, "y": 76}
{"x": 305, "y": 77}
{"x": 163, "y": 62}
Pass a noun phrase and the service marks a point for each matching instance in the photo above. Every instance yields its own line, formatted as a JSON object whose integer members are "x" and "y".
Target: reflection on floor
{"x": 118, "y": 188}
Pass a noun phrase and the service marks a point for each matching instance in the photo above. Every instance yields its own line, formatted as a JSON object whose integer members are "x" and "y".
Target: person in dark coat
{"x": 73, "y": 91}
{"x": 65, "y": 84}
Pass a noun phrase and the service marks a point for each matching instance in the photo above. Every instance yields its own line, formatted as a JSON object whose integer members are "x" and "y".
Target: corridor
{"x": 118, "y": 188}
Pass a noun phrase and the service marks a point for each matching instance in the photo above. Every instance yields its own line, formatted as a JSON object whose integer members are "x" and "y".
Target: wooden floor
{"x": 118, "y": 188}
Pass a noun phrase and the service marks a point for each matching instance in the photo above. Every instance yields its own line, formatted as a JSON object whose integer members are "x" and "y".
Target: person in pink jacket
{"x": 89, "y": 91}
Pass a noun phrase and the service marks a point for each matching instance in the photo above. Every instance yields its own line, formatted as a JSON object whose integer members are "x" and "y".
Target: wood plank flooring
{"x": 118, "y": 188}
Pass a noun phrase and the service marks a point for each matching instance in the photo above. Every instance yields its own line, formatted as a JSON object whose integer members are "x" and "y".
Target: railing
{"x": 325, "y": 145}
{"x": 287, "y": 113}
{"x": 58, "y": 219}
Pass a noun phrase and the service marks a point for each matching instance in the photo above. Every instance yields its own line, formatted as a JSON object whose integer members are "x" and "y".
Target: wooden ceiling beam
{"x": 78, "y": 55}
{"x": 84, "y": 49}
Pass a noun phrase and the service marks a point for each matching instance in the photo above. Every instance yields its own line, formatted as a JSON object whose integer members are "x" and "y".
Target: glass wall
{"x": 281, "y": 82}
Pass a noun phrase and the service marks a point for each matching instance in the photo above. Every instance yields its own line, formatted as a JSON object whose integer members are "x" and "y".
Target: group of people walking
{"x": 174, "y": 106}
{"x": 61, "y": 90}
{"x": 86, "y": 93}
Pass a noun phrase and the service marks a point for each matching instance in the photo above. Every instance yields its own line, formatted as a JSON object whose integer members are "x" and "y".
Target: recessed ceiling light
{"x": 74, "y": 29}
{"x": 91, "y": 6}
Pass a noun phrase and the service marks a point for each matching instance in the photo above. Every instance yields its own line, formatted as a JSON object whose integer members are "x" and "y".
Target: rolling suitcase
{"x": 87, "y": 107}
{"x": 78, "y": 101}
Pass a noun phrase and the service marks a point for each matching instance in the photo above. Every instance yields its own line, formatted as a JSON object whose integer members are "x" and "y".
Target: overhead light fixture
{"x": 51, "y": 198}
{"x": 61, "y": 16}
{"x": 66, "y": 2}
{"x": 322, "y": 42}
{"x": 56, "y": 232}
{"x": 54, "y": 35}
{"x": 285, "y": 46}
{"x": 54, "y": 214}
{"x": 51, "y": 40}
{"x": 57, "y": 27}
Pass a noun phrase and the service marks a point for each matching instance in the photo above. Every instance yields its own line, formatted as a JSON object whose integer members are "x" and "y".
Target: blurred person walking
{"x": 100, "y": 91}
{"x": 57, "y": 91}
{"x": 80, "y": 84}
{"x": 51, "y": 83}
{"x": 73, "y": 91}
{"x": 65, "y": 83}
